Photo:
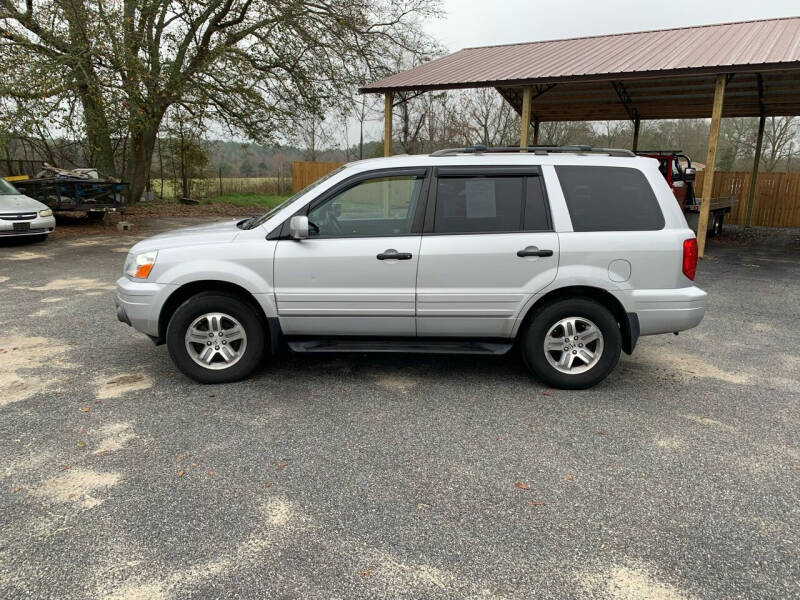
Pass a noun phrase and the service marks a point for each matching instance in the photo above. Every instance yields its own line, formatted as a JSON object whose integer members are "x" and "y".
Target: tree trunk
{"x": 143, "y": 143}
{"x": 80, "y": 62}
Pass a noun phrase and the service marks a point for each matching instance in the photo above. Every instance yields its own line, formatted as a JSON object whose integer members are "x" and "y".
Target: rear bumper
{"x": 666, "y": 311}
{"x": 139, "y": 304}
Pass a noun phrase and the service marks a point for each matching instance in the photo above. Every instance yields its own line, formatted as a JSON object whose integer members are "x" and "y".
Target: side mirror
{"x": 689, "y": 173}
{"x": 298, "y": 227}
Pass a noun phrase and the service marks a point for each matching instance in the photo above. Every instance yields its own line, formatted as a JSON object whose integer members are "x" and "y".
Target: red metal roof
{"x": 748, "y": 46}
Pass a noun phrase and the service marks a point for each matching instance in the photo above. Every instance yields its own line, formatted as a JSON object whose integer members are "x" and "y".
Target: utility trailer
{"x": 677, "y": 169}
{"x": 71, "y": 190}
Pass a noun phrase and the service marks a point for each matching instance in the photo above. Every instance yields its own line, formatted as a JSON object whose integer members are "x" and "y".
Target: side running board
{"x": 409, "y": 346}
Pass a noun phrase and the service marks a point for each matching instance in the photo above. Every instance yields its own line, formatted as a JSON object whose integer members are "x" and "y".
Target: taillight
{"x": 690, "y": 258}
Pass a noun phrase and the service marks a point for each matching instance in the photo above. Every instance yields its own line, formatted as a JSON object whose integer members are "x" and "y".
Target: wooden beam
{"x": 525, "y": 123}
{"x": 751, "y": 194}
{"x": 387, "y": 124}
{"x": 636, "y": 126}
{"x": 711, "y": 159}
{"x": 536, "y": 132}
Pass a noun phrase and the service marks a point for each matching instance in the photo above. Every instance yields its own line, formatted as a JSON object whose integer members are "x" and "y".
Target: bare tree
{"x": 491, "y": 120}
{"x": 780, "y": 133}
{"x": 313, "y": 134}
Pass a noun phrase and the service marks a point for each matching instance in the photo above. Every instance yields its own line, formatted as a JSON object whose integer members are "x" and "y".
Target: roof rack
{"x": 540, "y": 150}
{"x": 659, "y": 152}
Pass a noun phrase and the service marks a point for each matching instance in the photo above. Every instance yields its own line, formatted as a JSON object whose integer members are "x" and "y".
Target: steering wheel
{"x": 328, "y": 221}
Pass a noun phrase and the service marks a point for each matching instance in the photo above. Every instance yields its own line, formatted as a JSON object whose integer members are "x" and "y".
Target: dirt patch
{"x": 396, "y": 383}
{"x": 670, "y": 443}
{"x": 114, "y": 437}
{"x": 278, "y": 513}
{"x": 23, "y": 360}
{"x": 142, "y": 216}
{"x": 91, "y": 242}
{"x": 709, "y": 422}
{"x": 26, "y": 255}
{"x": 683, "y": 365}
{"x": 136, "y": 591}
{"x": 78, "y": 485}
{"x": 3, "y": 278}
{"x": 627, "y": 583}
{"x": 792, "y": 363}
{"x": 122, "y": 384}
{"x": 398, "y": 575}
{"x": 77, "y": 284}
{"x": 279, "y": 517}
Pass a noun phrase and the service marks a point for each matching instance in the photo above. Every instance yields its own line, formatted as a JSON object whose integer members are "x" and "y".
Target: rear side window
{"x": 490, "y": 204}
{"x": 609, "y": 199}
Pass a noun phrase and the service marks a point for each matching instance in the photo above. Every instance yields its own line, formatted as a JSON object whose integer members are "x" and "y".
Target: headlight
{"x": 138, "y": 266}
{"x": 46, "y": 212}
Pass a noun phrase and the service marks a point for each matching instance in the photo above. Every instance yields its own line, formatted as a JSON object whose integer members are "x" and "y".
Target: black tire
{"x": 96, "y": 215}
{"x": 716, "y": 227}
{"x": 217, "y": 302}
{"x": 533, "y": 338}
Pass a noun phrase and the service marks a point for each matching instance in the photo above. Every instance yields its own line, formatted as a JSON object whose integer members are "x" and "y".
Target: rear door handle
{"x": 392, "y": 254}
{"x": 533, "y": 251}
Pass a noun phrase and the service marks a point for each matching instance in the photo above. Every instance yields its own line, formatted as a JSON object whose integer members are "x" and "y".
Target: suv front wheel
{"x": 214, "y": 337}
{"x": 572, "y": 344}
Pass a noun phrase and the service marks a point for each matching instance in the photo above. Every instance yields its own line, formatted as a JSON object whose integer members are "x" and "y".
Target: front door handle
{"x": 533, "y": 251}
{"x": 392, "y": 254}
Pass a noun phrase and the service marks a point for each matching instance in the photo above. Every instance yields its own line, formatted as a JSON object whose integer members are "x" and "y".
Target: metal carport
{"x": 744, "y": 69}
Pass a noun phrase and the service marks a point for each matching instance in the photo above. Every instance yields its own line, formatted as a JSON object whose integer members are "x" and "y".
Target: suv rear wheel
{"x": 214, "y": 337}
{"x": 572, "y": 344}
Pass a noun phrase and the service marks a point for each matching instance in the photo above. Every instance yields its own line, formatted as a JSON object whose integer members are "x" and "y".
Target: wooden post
{"x": 536, "y": 132}
{"x": 751, "y": 196}
{"x": 711, "y": 159}
{"x": 526, "y": 116}
{"x": 387, "y": 124}
{"x": 636, "y": 127}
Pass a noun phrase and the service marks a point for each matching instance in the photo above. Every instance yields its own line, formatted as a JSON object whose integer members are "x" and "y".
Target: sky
{"x": 467, "y": 23}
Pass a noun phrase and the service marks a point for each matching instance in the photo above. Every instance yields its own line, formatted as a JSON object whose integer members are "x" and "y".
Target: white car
{"x": 568, "y": 253}
{"x": 23, "y": 216}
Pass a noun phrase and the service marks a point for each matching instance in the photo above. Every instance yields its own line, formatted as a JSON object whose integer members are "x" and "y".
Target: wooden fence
{"x": 306, "y": 173}
{"x": 776, "y": 203}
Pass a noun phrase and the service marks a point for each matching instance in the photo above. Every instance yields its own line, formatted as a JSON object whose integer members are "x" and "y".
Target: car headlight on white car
{"x": 138, "y": 266}
{"x": 45, "y": 212}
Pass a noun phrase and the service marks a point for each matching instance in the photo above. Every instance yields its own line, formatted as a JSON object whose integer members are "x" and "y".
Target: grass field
{"x": 211, "y": 187}
{"x": 266, "y": 201}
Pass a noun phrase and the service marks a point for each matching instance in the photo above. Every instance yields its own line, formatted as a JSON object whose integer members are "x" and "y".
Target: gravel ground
{"x": 375, "y": 476}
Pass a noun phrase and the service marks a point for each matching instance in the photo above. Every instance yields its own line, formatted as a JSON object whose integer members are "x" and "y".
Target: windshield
{"x": 6, "y": 189}
{"x": 264, "y": 218}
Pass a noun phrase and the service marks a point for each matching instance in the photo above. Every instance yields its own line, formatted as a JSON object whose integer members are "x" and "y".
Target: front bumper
{"x": 36, "y": 226}
{"x": 666, "y": 311}
{"x": 139, "y": 304}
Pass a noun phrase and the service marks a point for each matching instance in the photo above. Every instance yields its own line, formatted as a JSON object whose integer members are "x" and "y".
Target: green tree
{"x": 256, "y": 67}
{"x": 246, "y": 169}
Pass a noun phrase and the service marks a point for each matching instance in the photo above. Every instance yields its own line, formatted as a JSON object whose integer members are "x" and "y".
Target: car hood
{"x": 18, "y": 202}
{"x": 213, "y": 233}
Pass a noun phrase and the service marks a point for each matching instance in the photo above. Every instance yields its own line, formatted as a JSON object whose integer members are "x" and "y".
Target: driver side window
{"x": 376, "y": 207}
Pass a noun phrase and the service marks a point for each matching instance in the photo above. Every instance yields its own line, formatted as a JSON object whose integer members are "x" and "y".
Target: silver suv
{"x": 569, "y": 253}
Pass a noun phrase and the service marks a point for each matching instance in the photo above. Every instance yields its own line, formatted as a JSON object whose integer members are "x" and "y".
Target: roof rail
{"x": 540, "y": 150}
{"x": 659, "y": 152}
